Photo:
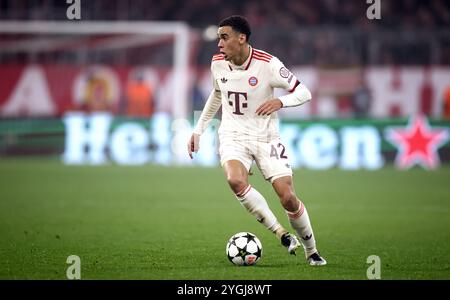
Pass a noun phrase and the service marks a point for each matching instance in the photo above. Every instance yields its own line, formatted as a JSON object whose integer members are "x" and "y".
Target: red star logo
{"x": 417, "y": 143}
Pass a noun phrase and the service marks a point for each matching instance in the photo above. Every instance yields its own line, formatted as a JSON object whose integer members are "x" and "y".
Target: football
{"x": 244, "y": 249}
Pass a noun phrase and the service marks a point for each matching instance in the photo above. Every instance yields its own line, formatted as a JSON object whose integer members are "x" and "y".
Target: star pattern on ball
{"x": 244, "y": 249}
{"x": 250, "y": 237}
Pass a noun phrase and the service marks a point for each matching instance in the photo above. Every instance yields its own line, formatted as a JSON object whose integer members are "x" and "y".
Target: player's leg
{"x": 298, "y": 218}
{"x": 273, "y": 163}
{"x": 237, "y": 176}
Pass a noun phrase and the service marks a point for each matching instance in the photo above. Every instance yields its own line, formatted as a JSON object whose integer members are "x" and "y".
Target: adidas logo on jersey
{"x": 224, "y": 80}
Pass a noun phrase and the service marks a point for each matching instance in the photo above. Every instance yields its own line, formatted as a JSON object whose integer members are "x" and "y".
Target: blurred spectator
{"x": 399, "y": 13}
{"x": 344, "y": 105}
{"x": 361, "y": 100}
{"x": 198, "y": 99}
{"x": 96, "y": 95}
{"x": 346, "y": 36}
{"x": 446, "y": 111}
{"x": 139, "y": 95}
{"x": 426, "y": 95}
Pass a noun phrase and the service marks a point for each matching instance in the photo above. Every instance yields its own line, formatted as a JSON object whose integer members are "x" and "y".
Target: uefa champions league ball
{"x": 244, "y": 249}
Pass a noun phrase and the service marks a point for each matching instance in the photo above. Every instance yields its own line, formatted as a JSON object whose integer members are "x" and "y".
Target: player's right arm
{"x": 211, "y": 107}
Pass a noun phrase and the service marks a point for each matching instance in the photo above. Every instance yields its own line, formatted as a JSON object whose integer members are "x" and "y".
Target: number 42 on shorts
{"x": 278, "y": 148}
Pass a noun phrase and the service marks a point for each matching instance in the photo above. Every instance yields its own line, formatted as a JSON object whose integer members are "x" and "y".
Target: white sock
{"x": 300, "y": 222}
{"x": 255, "y": 204}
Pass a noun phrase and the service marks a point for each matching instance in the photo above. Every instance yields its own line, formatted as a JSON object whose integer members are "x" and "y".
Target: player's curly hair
{"x": 238, "y": 23}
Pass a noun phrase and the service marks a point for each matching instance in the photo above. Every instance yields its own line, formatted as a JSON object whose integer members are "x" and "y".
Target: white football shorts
{"x": 271, "y": 158}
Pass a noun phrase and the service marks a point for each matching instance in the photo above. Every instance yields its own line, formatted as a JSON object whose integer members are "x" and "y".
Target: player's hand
{"x": 193, "y": 144}
{"x": 269, "y": 107}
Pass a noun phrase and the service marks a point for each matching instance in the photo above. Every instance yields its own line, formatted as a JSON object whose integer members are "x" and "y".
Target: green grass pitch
{"x": 152, "y": 222}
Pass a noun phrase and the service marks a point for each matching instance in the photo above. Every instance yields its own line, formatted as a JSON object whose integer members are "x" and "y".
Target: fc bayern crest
{"x": 253, "y": 81}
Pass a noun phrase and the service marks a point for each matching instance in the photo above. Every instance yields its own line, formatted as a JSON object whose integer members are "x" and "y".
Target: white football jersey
{"x": 244, "y": 88}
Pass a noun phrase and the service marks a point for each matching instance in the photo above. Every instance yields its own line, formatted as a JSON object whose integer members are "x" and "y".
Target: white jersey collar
{"x": 245, "y": 65}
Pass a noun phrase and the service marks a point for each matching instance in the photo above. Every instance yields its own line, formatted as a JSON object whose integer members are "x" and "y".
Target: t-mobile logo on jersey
{"x": 237, "y": 104}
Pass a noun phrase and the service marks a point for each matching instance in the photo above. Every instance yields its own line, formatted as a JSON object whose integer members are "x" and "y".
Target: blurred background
{"x": 123, "y": 81}
{"x": 114, "y": 83}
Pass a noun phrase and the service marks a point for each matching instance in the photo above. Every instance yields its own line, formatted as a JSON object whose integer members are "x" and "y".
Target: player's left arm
{"x": 283, "y": 78}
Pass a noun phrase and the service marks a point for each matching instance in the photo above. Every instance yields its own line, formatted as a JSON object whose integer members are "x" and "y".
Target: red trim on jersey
{"x": 262, "y": 57}
{"x": 218, "y": 57}
{"x": 295, "y": 86}
{"x": 263, "y": 53}
{"x": 250, "y": 60}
